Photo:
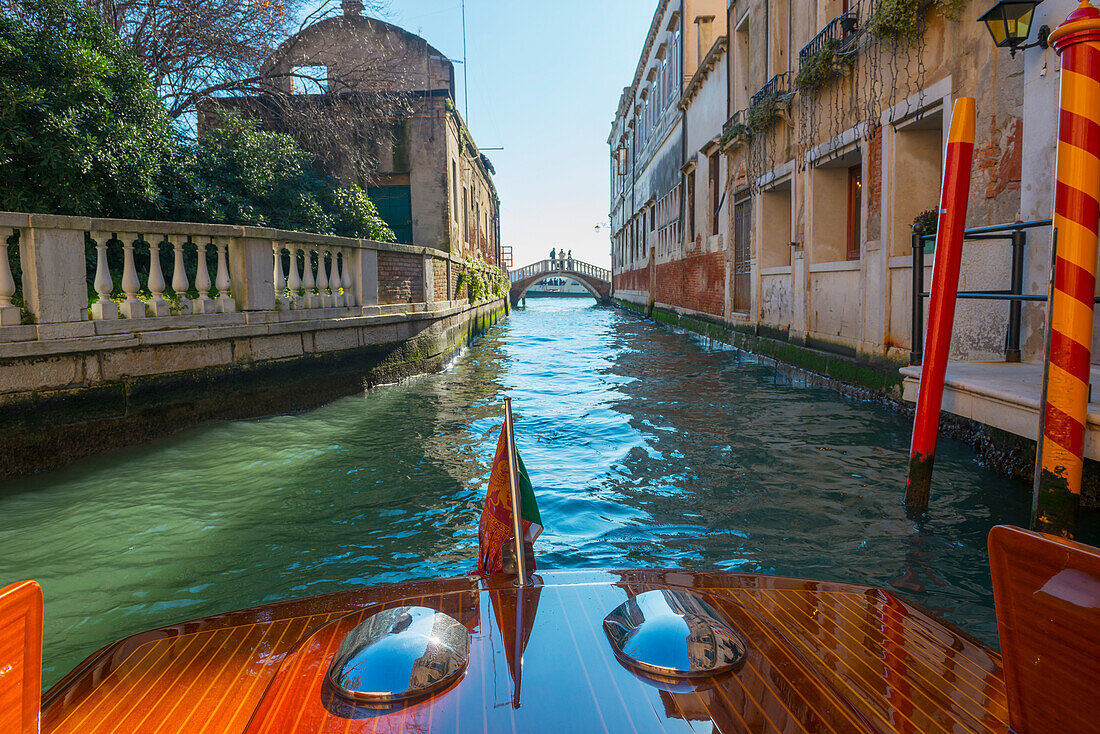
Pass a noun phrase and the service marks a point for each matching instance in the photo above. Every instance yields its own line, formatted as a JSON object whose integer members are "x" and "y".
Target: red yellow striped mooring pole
{"x": 954, "y": 199}
{"x": 1061, "y": 448}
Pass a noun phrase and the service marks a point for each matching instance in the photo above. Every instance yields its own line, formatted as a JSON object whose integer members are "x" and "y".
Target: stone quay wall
{"x": 246, "y": 330}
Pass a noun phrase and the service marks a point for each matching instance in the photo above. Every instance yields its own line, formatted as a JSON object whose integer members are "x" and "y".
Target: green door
{"x": 395, "y": 207}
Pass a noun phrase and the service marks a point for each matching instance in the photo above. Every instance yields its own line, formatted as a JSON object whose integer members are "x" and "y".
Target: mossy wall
{"x": 42, "y": 429}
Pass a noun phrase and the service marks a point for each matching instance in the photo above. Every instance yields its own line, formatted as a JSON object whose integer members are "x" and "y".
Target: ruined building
{"x": 424, "y": 173}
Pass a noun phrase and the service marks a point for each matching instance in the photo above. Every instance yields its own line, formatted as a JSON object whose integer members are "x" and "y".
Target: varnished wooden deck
{"x": 821, "y": 658}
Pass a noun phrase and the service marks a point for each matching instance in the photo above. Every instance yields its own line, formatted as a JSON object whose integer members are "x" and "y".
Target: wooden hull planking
{"x": 821, "y": 657}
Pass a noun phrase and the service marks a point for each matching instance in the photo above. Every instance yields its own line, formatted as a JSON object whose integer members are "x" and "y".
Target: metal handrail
{"x": 841, "y": 28}
{"x": 558, "y": 266}
{"x": 778, "y": 84}
{"x": 1016, "y": 232}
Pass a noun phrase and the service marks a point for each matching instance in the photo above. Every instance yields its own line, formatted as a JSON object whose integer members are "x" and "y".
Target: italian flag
{"x": 495, "y": 527}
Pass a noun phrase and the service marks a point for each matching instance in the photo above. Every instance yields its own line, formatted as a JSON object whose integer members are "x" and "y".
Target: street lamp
{"x": 1009, "y": 22}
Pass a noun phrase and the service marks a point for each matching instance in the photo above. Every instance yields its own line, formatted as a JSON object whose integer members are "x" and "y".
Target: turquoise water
{"x": 646, "y": 448}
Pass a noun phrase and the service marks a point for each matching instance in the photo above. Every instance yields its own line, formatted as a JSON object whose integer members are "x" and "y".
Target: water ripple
{"x": 646, "y": 448}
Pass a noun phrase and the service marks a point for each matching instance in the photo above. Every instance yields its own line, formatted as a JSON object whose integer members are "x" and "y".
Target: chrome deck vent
{"x": 673, "y": 633}
{"x": 399, "y": 654}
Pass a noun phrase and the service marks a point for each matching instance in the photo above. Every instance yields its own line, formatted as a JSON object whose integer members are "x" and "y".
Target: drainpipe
{"x": 683, "y": 135}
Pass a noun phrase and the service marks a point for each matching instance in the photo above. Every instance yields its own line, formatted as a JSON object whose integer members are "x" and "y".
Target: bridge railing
{"x": 64, "y": 277}
{"x": 560, "y": 266}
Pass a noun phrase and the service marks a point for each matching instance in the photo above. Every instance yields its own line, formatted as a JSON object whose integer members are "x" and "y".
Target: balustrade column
{"x": 279, "y": 279}
{"x": 131, "y": 308}
{"x": 180, "y": 282}
{"x": 226, "y": 304}
{"x": 9, "y": 313}
{"x": 335, "y": 283}
{"x": 157, "y": 305}
{"x": 104, "y": 309}
{"x": 313, "y": 300}
{"x": 345, "y": 276}
{"x": 322, "y": 280}
{"x": 294, "y": 281}
{"x": 204, "y": 303}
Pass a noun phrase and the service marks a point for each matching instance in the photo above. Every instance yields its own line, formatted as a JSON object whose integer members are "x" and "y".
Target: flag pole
{"x": 517, "y": 520}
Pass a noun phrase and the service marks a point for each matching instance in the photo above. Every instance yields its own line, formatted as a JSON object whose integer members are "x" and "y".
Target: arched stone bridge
{"x": 595, "y": 280}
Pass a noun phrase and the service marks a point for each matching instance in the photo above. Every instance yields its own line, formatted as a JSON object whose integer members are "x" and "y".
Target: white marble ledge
{"x": 1004, "y": 395}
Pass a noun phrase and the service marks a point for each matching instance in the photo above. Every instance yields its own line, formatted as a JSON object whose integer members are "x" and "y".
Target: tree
{"x": 195, "y": 49}
{"x": 239, "y": 173}
{"x": 81, "y": 131}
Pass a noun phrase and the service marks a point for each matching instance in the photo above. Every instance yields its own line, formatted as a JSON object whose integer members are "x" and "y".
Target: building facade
{"x": 428, "y": 179}
{"x": 837, "y": 116}
{"x": 665, "y": 159}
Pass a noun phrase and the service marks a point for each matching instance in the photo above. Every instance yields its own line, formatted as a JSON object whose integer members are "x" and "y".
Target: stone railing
{"x": 560, "y": 266}
{"x": 155, "y": 275}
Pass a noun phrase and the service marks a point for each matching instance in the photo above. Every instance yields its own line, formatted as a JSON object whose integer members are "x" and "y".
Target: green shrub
{"x": 357, "y": 216}
{"x": 81, "y": 130}
{"x": 928, "y": 221}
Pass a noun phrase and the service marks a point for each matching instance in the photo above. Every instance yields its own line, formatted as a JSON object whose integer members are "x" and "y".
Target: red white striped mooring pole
{"x": 1061, "y": 448}
{"x": 941, "y": 308}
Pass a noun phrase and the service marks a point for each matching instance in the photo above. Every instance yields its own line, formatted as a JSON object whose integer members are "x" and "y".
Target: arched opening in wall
{"x": 560, "y": 286}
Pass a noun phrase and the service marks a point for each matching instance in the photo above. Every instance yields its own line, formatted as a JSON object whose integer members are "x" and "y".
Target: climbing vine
{"x": 816, "y": 70}
{"x": 903, "y": 21}
{"x": 482, "y": 281}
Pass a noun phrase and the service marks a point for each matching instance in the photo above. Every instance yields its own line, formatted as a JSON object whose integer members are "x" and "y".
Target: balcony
{"x": 736, "y": 119}
{"x": 779, "y": 85}
{"x": 838, "y": 33}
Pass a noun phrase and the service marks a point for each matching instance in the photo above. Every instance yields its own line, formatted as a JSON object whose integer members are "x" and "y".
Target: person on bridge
{"x": 553, "y": 254}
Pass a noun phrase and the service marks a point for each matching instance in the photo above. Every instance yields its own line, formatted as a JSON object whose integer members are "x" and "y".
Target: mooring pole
{"x": 1077, "y": 221}
{"x": 517, "y": 519}
{"x": 954, "y": 198}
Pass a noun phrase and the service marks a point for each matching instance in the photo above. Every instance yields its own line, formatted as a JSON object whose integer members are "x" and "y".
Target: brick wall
{"x": 697, "y": 282}
{"x": 440, "y": 271}
{"x": 400, "y": 278}
{"x": 632, "y": 280}
{"x": 872, "y": 177}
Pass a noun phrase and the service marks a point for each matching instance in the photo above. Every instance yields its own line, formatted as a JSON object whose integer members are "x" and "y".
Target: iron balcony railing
{"x": 779, "y": 84}
{"x": 840, "y": 29}
{"x": 1016, "y": 234}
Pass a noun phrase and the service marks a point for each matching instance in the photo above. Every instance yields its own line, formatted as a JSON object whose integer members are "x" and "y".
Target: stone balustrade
{"x": 560, "y": 266}
{"x": 214, "y": 270}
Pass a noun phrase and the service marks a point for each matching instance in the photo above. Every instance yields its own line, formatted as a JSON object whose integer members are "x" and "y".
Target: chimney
{"x": 352, "y": 8}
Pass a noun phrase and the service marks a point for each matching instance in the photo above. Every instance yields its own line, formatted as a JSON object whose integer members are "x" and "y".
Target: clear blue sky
{"x": 544, "y": 82}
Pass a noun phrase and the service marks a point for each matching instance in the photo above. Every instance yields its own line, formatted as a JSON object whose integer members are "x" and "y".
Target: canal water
{"x": 646, "y": 448}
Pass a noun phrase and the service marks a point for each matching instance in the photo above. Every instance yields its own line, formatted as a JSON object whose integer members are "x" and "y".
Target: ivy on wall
{"x": 483, "y": 281}
{"x": 903, "y": 21}
{"x": 816, "y": 70}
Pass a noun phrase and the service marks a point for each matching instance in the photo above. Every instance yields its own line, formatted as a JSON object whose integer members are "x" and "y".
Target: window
{"x": 855, "y": 210}
{"x": 454, "y": 187}
{"x": 309, "y": 79}
{"x": 466, "y": 213}
{"x": 715, "y": 189}
{"x": 775, "y": 238}
{"x": 742, "y": 270}
{"x": 691, "y": 206}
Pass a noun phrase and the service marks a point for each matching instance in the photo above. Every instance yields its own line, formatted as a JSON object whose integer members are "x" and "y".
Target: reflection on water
{"x": 646, "y": 449}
